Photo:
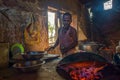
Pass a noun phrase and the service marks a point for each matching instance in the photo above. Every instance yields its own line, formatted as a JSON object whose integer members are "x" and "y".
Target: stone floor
{"x": 46, "y": 72}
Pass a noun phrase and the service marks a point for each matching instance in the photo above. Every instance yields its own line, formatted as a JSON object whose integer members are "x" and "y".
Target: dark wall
{"x": 105, "y": 23}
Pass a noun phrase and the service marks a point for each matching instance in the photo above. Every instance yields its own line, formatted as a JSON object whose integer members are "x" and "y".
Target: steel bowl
{"x": 33, "y": 56}
{"x": 28, "y": 66}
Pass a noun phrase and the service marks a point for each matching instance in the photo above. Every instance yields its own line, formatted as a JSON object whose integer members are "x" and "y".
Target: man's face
{"x": 66, "y": 20}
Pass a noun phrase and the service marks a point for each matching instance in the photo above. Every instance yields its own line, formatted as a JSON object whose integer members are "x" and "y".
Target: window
{"x": 51, "y": 27}
{"x": 90, "y": 13}
{"x": 108, "y": 5}
{"x": 54, "y": 22}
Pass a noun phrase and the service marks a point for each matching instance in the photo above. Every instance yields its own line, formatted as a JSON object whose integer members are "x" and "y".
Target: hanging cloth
{"x": 31, "y": 33}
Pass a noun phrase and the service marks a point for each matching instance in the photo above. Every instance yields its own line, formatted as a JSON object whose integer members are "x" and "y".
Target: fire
{"x": 83, "y": 71}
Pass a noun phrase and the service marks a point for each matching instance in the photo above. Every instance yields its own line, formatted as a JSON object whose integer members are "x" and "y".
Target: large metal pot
{"x": 82, "y": 59}
{"x": 90, "y": 47}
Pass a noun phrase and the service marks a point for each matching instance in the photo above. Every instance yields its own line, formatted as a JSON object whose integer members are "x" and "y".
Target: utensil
{"x": 33, "y": 55}
{"x": 28, "y": 66}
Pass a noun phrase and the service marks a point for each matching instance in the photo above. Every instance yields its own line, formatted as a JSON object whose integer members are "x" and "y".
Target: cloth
{"x": 65, "y": 37}
{"x": 66, "y": 40}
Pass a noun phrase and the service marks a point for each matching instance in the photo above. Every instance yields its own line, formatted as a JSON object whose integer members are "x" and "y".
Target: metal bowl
{"x": 33, "y": 56}
{"x": 35, "y": 52}
{"x": 28, "y": 66}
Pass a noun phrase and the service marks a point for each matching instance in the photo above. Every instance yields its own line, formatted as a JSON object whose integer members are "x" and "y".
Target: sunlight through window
{"x": 108, "y": 5}
{"x": 51, "y": 27}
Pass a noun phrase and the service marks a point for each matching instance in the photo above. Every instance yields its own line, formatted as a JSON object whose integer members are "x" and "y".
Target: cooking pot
{"x": 82, "y": 59}
{"x": 90, "y": 47}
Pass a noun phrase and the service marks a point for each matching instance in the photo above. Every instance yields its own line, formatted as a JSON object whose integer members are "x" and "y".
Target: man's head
{"x": 67, "y": 19}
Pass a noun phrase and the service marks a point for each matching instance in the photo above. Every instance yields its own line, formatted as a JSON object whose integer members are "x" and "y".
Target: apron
{"x": 65, "y": 40}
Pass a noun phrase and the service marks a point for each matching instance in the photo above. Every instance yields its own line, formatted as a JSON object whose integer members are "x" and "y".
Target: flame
{"x": 84, "y": 71}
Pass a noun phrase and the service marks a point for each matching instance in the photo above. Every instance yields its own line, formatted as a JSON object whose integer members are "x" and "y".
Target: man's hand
{"x": 51, "y": 48}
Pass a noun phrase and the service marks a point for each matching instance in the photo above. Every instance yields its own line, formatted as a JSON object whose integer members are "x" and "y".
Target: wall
{"x": 106, "y": 28}
{"x": 4, "y": 55}
{"x": 15, "y": 17}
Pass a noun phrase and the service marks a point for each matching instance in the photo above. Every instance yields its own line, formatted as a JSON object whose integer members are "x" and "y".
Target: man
{"x": 67, "y": 37}
{"x": 116, "y": 57}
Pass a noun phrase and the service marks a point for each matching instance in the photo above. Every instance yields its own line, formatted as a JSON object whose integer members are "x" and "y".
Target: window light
{"x": 108, "y": 5}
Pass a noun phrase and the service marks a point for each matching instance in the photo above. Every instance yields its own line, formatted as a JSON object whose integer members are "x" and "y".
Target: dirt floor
{"x": 46, "y": 72}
